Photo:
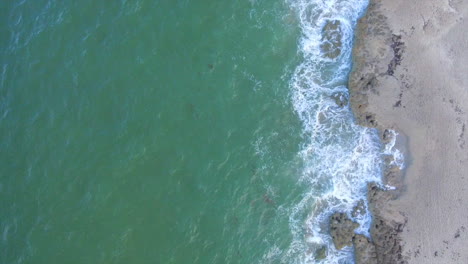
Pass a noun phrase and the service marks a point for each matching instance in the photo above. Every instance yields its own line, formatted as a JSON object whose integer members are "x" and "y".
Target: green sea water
{"x": 180, "y": 131}
{"x": 147, "y": 131}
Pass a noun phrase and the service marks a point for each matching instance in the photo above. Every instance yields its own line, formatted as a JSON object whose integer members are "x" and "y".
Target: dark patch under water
{"x": 332, "y": 39}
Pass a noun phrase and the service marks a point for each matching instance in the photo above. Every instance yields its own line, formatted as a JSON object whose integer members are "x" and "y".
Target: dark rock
{"x": 342, "y": 230}
{"x": 385, "y": 228}
{"x": 370, "y": 120}
{"x": 321, "y": 253}
{"x": 364, "y": 250}
{"x": 387, "y": 136}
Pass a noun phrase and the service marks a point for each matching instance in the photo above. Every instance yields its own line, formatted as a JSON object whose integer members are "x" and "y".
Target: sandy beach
{"x": 410, "y": 75}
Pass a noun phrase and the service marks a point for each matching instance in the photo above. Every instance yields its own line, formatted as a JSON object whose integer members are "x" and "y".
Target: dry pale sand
{"x": 411, "y": 75}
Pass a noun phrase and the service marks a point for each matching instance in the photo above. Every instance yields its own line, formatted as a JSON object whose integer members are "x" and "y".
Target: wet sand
{"x": 410, "y": 74}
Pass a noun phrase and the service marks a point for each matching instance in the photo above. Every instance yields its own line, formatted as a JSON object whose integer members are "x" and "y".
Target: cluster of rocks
{"x": 384, "y": 245}
{"x": 377, "y": 53}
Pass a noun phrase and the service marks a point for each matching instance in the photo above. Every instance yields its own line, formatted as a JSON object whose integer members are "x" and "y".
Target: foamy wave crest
{"x": 339, "y": 157}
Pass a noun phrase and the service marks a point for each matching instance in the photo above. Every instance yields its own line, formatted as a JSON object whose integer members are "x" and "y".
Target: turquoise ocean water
{"x": 178, "y": 131}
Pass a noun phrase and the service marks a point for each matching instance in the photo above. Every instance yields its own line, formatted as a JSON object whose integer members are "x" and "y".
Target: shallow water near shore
{"x": 179, "y": 131}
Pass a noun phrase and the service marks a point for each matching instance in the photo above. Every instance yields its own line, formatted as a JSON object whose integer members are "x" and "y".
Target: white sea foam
{"x": 391, "y": 150}
{"x": 339, "y": 157}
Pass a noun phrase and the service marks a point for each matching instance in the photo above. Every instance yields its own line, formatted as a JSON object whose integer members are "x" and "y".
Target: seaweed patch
{"x": 397, "y": 47}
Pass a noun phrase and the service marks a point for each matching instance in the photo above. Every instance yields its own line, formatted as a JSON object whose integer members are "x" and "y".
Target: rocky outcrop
{"x": 342, "y": 230}
{"x": 377, "y": 53}
{"x": 364, "y": 250}
{"x": 386, "y": 227}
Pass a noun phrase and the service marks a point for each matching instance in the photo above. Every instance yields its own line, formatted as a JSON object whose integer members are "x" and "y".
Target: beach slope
{"x": 410, "y": 74}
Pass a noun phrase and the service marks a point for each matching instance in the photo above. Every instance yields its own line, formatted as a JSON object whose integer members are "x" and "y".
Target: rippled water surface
{"x": 178, "y": 131}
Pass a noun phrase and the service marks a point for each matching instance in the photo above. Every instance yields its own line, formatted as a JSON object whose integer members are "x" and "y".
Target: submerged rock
{"x": 332, "y": 39}
{"x": 340, "y": 99}
{"x": 321, "y": 253}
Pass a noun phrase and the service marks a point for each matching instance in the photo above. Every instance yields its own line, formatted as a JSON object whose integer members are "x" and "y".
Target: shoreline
{"x": 408, "y": 76}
